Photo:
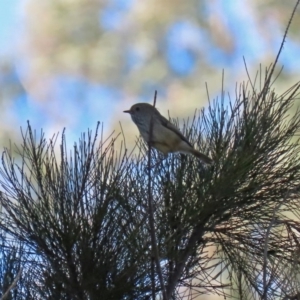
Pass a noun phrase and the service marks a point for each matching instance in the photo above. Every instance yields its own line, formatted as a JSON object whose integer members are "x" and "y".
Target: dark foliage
{"x": 82, "y": 219}
{"x": 77, "y": 224}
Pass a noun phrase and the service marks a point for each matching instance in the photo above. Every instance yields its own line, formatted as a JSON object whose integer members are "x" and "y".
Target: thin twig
{"x": 265, "y": 262}
{"x": 14, "y": 283}
{"x": 151, "y": 213}
{"x": 268, "y": 79}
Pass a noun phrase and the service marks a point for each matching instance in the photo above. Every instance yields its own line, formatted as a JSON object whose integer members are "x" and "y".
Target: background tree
{"x": 77, "y": 225}
{"x": 73, "y": 63}
{"x": 84, "y": 217}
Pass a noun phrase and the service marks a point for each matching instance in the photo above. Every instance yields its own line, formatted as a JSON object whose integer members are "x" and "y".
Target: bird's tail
{"x": 202, "y": 156}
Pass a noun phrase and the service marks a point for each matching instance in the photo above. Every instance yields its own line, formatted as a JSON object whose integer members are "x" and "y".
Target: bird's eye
{"x": 137, "y": 108}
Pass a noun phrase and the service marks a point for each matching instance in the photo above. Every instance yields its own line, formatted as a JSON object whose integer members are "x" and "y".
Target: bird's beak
{"x": 127, "y": 111}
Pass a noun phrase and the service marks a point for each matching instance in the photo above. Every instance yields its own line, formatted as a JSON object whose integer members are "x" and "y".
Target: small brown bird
{"x": 164, "y": 137}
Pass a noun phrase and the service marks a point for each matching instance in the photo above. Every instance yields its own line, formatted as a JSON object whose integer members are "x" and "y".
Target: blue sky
{"x": 182, "y": 41}
{"x": 9, "y": 21}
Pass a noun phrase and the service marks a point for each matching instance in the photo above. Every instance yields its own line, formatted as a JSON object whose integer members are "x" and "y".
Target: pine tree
{"x": 97, "y": 223}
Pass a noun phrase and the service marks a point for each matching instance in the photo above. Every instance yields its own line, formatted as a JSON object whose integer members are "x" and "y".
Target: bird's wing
{"x": 170, "y": 126}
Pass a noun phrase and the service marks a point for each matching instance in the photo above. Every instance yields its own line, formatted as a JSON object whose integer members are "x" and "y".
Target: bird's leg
{"x": 183, "y": 157}
{"x": 160, "y": 160}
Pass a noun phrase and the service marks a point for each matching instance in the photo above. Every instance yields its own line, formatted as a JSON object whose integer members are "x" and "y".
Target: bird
{"x": 160, "y": 133}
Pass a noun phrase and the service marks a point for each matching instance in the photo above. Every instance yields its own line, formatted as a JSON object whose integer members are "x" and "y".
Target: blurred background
{"x": 71, "y": 63}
